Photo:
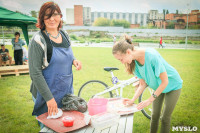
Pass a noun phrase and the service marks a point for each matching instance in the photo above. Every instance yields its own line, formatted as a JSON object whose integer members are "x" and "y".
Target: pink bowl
{"x": 97, "y": 105}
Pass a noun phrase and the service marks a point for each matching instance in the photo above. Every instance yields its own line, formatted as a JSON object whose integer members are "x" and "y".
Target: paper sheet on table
{"x": 118, "y": 106}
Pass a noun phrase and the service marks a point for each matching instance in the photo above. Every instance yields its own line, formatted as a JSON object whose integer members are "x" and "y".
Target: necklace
{"x": 55, "y": 37}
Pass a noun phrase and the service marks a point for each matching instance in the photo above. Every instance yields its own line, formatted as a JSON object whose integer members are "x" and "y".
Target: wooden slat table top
{"x": 125, "y": 125}
{"x": 17, "y": 67}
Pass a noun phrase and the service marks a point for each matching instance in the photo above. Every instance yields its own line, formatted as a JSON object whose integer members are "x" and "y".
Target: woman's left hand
{"x": 77, "y": 64}
{"x": 143, "y": 104}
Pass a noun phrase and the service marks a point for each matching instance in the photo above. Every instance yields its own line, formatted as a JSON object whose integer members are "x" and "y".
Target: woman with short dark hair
{"x": 17, "y": 46}
{"x": 50, "y": 62}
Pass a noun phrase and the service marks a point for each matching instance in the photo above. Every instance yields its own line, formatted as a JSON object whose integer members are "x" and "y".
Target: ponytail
{"x": 128, "y": 39}
{"x": 122, "y": 46}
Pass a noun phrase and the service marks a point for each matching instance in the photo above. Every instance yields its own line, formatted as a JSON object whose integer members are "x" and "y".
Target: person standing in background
{"x": 17, "y": 46}
{"x": 160, "y": 44}
{"x": 163, "y": 44}
{"x": 114, "y": 39}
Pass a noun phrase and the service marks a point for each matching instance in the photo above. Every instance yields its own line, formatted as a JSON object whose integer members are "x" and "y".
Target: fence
{"x": 137, "y": 32}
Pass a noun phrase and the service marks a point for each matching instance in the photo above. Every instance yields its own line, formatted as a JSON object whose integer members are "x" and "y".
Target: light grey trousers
{"x": 170, "y": 99}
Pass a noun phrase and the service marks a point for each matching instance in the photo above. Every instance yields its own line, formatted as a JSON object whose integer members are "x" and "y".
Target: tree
{"x": 34, "y": 13}
{"x": 164, "y": 13}
{"x": 167, "y": 12}
{"x": 101, "y": 22}
{"x": 114, "y": 22}
{"x": 122, "y": 22}
{"x": 176, "y": 11}
{"x": 170, "y": 25}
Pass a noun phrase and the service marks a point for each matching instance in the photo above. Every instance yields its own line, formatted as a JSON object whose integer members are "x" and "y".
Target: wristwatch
{"x": 154, "y": 95}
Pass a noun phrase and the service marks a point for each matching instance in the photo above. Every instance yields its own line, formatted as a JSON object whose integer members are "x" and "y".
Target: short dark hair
{"x": 2, "y": 45}
{"x": 52, "y": 7}
{"x": 17, "y": 33}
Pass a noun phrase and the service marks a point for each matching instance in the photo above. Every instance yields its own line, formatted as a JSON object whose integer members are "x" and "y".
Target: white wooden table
{"x": 125, "y": 125}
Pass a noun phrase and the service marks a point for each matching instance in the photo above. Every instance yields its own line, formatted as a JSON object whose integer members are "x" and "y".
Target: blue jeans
{"x": 41, "y": 125}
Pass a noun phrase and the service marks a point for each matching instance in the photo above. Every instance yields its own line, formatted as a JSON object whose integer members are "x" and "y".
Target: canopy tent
{"x": 10, "y": 18}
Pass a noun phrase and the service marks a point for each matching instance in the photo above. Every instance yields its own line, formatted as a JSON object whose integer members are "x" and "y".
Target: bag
{"x": 71, "y": 102}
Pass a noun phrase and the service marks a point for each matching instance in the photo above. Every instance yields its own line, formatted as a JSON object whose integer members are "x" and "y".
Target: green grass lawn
{"x": 17, "y": 105}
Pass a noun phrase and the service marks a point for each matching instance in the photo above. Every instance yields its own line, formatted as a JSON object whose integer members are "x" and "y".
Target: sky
{"x": 136, "y": 6}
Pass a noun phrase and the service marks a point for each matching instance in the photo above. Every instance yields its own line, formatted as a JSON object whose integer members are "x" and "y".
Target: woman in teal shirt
{"x": 17, "y": 46}
{"x": 152, "y": 70}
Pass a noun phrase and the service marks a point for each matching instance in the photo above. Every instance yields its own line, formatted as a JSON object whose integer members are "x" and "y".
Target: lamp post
{"x": 186, "y": 40}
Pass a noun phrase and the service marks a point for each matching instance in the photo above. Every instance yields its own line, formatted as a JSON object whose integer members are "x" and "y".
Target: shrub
{"x": 101, "y": 22}
{"x": 122, "y": 22}
{"x": 106, "y": 40}
{"x": 98, "y": 41}
{"x": 73, "y": 37}
{"x": 182, "y": 42}
{"x": 82, "y": 41}
{"x": 97, "y": 35}
{"x": 92, "y": 40}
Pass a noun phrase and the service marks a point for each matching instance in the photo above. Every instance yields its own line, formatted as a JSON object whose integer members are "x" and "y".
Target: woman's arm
{"x": 140, "y": 89}
{"x": 35, "y": 55}
{"x": 13, "y": 43}
{"x": 164, "y": 82}
{"x": 77, "y": 64}
{"x": 23, "y": 43}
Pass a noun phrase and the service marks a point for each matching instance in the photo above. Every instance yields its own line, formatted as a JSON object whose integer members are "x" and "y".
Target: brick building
{"x": 180, "y": 20}
{"x": 78, "y": 15}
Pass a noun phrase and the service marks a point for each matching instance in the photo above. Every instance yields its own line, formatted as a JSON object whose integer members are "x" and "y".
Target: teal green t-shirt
{"x": 154, "y": 65}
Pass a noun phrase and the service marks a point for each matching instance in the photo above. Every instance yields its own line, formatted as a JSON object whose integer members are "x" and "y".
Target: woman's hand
{"x": 128, "y": 102}
{"x": 77, "y": 64}
{"x": 52, "y": 107}
{"x": 143, "y": 104}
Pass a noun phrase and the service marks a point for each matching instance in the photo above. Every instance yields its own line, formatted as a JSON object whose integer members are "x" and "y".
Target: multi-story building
{"x": 155, "y": 15}
{"x": 83, "y": 16}
{"x": 86, "y": 15}
{"x": 132, "y": 18}
{"x": 70, "y": 16}
{"x": 80, "y": 16}
{"x": 156, "y": 19}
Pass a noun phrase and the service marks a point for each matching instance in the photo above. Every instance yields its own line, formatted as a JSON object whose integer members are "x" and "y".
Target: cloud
{"x": 14, "y": 5}
{"x": 137, "y": 6}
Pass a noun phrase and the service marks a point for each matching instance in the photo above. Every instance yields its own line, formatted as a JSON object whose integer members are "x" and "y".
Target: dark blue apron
{"x": 59, "y": 78}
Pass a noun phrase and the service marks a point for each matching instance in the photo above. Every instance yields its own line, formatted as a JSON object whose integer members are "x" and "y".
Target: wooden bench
{"x": 125, "y": 125}
{"x": 16, "y": 70}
